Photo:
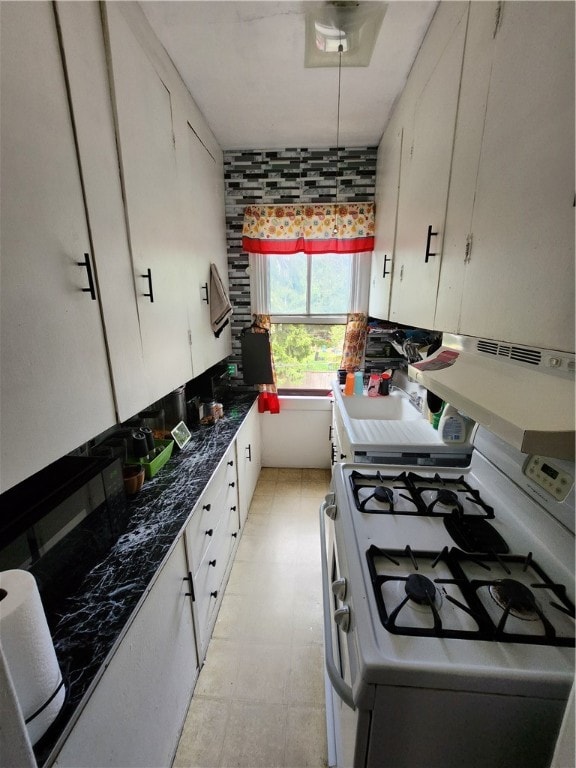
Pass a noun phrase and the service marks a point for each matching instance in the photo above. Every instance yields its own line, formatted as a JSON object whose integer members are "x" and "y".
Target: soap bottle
{"x": 452, "y": 426}
{"x": 349, "y": 384}
{"x": 358, "y": 383}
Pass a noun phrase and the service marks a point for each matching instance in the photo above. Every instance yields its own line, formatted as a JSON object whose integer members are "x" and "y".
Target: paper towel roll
{"x": 29, "y": 651}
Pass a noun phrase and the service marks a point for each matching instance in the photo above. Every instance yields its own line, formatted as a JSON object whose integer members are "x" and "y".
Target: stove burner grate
{"x": 427, "y": 496}
{"x": 512, "y": 599}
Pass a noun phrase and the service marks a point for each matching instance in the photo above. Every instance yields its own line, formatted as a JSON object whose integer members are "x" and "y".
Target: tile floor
{"x": 259, "y": 699}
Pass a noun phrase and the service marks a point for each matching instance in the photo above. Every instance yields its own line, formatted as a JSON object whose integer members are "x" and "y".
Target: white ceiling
{"x": 243, "y": 62}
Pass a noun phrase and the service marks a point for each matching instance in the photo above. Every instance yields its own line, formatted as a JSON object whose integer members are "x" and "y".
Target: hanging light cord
{"x": 340, "y": 50}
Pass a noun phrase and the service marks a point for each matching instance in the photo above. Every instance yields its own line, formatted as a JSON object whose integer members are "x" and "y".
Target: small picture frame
{"x": 181, "y": 434}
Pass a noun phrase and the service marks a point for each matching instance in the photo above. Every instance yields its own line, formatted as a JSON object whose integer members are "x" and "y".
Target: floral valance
{"x": 318, "y": 228}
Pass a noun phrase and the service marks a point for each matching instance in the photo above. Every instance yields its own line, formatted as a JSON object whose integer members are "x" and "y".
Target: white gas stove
{"x": 452, "y": 598}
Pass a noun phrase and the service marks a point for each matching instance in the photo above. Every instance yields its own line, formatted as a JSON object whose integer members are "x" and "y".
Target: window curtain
{"x": 318, "y": 228}
{"x": 354, "y": 341}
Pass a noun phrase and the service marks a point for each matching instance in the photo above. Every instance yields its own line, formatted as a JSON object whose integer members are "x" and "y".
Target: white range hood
{"x": 524, "y": 395}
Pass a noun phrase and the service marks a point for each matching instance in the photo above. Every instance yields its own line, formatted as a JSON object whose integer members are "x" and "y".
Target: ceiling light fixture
{"x": 349, "y": 24}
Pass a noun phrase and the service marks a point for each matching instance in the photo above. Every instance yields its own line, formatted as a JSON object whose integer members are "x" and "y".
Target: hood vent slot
{"x": 520, "y": 354}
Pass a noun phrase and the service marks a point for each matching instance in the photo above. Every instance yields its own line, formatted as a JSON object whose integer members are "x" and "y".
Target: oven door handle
{"x": 340, "y": 686}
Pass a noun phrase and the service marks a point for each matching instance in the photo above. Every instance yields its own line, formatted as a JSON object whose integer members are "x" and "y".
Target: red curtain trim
{"x": 288, "y": 247}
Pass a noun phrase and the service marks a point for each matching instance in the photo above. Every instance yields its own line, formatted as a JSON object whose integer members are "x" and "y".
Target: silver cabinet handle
{"x": 340, "y": 685}
{"x": 342, "y": 618}
{"x": 339, "y": 588}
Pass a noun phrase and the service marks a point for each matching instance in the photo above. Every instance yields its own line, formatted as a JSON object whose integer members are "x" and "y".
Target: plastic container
{"x": 358, "y": 383}
{"x": 163, "y": 452}
{"x": 349, "y": 385}
{"x": 374, "y": 385}
{"x": 452, "y": 426}
{"x": 384, "y": 385}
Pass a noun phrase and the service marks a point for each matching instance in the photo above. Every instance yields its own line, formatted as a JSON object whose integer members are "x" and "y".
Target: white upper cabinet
{"x": 55, "y": 379}
{"x": 429, "y": 119}
{"x": 83, "y": 45}
{"x": 519, "y": 280}
{"x": 387, "y": 191}
{"x": 480, "y": 41}
{"x": 144, "y": 104}
{"x": 204, "y": 215}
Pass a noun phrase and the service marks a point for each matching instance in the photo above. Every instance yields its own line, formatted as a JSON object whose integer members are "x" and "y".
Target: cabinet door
{"x": 249, "y": 459}
{"x": 519, "y": 284}
{"x": 342, "y": 448}
{"x": 426, "y": 157}
{"x": 458, "y": 241}
{"x": 387, "y": 191}
{"x": 135, "y": 715}
{"x": 55, "y": 379}
{"x": 144, "y": 110}
{"x": 205, "y": 217}
{"x": 83, "y": 45}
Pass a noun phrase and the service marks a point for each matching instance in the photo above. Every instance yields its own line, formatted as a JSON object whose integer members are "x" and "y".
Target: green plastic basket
{"x": 152, "y": 468}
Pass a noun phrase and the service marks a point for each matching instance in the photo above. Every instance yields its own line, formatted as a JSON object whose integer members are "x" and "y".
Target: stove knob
{"x": 331, "y": 511}
{"x": 339, "y": 588}
{"x": 342, "y": 618}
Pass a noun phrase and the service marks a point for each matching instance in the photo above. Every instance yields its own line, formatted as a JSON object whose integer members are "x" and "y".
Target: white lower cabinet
{"x": 341, "y": 448}
{"x": 135, "y": 715}
{"x": 211, "y": 538}
{"x": 249, "y": 456}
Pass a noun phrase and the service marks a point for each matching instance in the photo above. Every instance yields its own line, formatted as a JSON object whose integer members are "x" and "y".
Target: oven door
{"x": 347, "y": 727}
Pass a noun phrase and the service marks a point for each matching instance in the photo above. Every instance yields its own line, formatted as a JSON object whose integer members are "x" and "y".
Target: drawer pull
{"x": 207, "y": 507}
{"x": 384, "y": 272}
{"x": 230, "y": 463}
{"x": 431, "y": 234}
{"x": 212, "y": 563}
{"x": 234, "y": 535}
{"x": 232, "y": 485}
{"x": 91, "y": 289}
{"x": 189, "y": 580}
{"x": 232, "y": 509}
{"x": 148, "y": 276}
{"x": 209, "y": 532}
{"x": 214, "y": 594}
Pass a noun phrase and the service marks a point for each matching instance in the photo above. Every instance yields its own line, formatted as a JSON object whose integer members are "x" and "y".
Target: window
{"x": 308, "y": 298}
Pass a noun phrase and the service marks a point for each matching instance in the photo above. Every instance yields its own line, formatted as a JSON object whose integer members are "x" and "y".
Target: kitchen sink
{"x": 390, "y": 407}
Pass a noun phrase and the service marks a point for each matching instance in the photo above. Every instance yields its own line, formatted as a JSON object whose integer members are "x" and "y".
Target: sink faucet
{"x": 413, "y": 397}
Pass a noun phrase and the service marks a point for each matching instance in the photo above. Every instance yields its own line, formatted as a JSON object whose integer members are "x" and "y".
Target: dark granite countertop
{"x": 96, "y": 616}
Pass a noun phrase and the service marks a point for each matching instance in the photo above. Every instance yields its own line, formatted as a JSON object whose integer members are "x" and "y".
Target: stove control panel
{"x": 552, "y": 478}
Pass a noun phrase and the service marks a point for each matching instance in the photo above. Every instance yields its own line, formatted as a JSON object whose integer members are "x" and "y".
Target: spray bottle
{"x": 452, "y": 427}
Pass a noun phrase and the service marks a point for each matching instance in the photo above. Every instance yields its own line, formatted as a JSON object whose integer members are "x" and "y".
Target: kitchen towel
{"x": 220, "y": 307}
{"x": 29, "y": 652}
{"x": 15, "y": 746}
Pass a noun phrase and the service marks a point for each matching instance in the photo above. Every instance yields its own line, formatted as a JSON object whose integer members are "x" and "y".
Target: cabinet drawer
{"x": 210, "y": 578}
{"x": 220, "y": 494}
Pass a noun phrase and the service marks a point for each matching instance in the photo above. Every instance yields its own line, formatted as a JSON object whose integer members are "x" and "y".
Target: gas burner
{"x": 420, "y": 589}
{"x": 382, "y": 495}
{"x": 416, "y": 594}
{"x": 522, "y": 602}
{"x": 516, "y": 598}
{"x": 445, "y": 498}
